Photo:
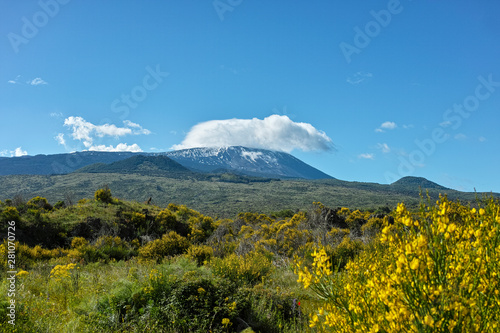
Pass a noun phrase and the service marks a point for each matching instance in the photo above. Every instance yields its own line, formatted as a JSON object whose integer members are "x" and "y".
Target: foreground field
{"x": 115, "y": 266}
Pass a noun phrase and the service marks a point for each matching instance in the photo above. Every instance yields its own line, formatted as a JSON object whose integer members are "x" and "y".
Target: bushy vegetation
{"x": 225, "y": 199}
{"x": 435, "y": 270}
{"x": 110, "y": 265}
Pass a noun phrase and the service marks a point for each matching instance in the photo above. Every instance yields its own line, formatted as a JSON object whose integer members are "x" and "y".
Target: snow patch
{"x": 251, "y": 155}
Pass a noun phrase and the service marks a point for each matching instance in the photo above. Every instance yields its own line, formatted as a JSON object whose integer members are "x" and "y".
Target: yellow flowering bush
{"x": 433, "y": 271}
{"x": 249, "y": 268}
{"x": 61, "y": 272}
{"x": 170, "y": 244}
{"x": 200, "y": 253}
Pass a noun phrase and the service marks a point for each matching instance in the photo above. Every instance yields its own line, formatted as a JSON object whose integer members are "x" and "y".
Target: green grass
{"x": 119, "y": 297}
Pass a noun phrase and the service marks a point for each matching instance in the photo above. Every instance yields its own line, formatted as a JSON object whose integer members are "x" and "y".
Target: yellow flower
{"x": 226, "y": 322}
{"x": 232, "y": 306}
{"x": 22, "y": 273}
{"x": 429, "y": 321}
{"x": 314, "y": 320}
{"x": 62, "y": 271}
{"x": 414, "y": 263}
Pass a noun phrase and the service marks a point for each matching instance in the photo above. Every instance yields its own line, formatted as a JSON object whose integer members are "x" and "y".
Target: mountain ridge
{"x": 234, "y": 159}
{"x": 137, "y": 164}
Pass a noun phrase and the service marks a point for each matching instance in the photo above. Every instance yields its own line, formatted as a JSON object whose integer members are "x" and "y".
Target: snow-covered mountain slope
{"x": 248, "y": 161}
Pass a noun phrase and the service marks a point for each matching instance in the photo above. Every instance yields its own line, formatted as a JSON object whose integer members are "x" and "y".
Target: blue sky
{"x": 364, "y": 91}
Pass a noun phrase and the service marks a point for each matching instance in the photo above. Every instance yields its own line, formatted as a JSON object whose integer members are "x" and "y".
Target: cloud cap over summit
{"x": 275, "y": 132}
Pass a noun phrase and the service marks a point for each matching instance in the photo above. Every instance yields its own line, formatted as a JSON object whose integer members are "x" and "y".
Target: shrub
{"x": 103, "y": 195}
{"x": 78, "y": 242}
{"x": 113, "y": 248}
{"x": 170, "y": 244}
{"x": 10, "y": 214}
{"x": 138, "y": 219}
{"x": 248, "y": 269}
{"x": 434, "y": 271}
{"x": 200, "y": 253}
{"x": 373, "y": 226}
{"x": 166, "y": 219}
{"x": 39, "y": 203}
{"x": 201, "y": 228}
{"x": 347, "y": 250}
{"x": 60, "y": 204}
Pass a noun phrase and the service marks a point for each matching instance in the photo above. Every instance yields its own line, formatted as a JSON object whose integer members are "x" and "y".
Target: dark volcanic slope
{"x": 416, "y": 182}
{"x": 58, "y": 163}
{"x": 138, "y": 164}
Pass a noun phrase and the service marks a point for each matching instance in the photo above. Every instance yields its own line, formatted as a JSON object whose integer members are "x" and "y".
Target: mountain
{"x": 144, "y": 164}
{"x": 57, "y": 163}
{"x": 237, "y": 160}
{"x": 416, "y": 182}
{"x": 247, "y": 161}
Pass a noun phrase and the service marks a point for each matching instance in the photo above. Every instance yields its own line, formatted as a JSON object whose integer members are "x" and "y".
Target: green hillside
{"x": 152, "y": 165}
{"x": 221, "y": 195}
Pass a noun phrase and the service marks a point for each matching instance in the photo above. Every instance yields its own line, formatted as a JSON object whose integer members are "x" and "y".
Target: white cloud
{"x": 15, "y": 81}
{"x": 134, "y": 148}
{"x": 18, "y": 152}
{"x": 85, "y": 131}
{"x": 60, "y": 139}
{"x": 460, "y": 136}
{"x": 384, "y": 147}
{"x": 388, "y": 125}
{"x": 36, "y": 81}
{"x": 359, "y": 77}
{"x": 111, "y": 130}
{"x": 274, "y": 132}
{"x": 139, "y": 130}
{"x": 482, "y": 139}
{"x": 4, "y": 152}
{"x": 367, "y": 156}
